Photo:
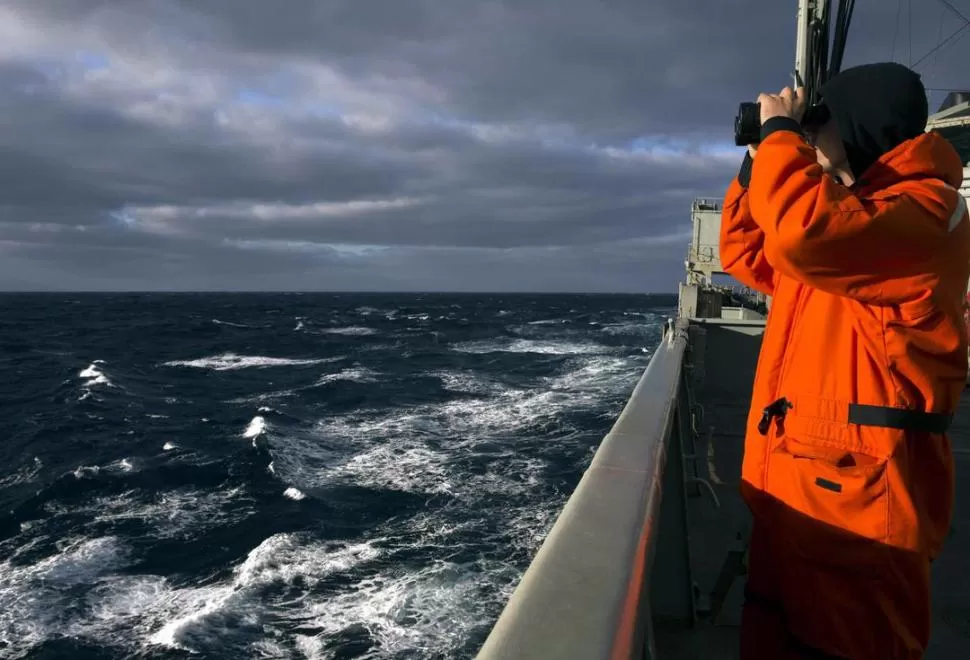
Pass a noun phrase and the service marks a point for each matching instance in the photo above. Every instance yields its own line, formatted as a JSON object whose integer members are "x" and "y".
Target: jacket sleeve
{"x": 742, "y": 241}
{"x": 818, "y": 232}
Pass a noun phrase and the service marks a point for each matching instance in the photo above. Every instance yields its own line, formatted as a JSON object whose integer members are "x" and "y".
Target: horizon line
{"x": 333, "y": 291}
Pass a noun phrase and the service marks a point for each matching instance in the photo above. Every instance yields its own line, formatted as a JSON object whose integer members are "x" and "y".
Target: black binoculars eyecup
{"x": 747, "y": 123}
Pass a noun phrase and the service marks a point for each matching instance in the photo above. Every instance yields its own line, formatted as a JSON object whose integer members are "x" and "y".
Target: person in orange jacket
{"x": 855, "y": 228}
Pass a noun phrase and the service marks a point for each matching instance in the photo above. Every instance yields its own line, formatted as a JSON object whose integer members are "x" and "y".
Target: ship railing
{"x": 707, "y": 204}
{"x": 617, "y": 557}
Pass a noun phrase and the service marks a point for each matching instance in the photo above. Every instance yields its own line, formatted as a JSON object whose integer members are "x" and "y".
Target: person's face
{"x": 828, "y": 147}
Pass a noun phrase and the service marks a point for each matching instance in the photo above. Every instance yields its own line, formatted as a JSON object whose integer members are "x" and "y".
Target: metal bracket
{"x": 735, "y": 565}
{"x": 708, "y": 487}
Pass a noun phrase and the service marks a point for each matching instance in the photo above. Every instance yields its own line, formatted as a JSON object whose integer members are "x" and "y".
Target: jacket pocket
{"x": 829, "y": 505}
{"x": 914, "y": 311}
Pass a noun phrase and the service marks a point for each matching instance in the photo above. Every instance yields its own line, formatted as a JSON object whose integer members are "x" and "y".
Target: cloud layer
{"x": 362, "y": 145}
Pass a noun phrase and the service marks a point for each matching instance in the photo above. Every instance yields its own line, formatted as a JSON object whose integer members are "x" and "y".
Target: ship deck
{"x": 729, "y": 362}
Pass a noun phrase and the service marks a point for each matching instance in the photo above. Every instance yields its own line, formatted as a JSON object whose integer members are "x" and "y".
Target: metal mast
{"x": 817, "y": 56}
{"x": 811, "y": 44}
{"x": 802, "y": 45}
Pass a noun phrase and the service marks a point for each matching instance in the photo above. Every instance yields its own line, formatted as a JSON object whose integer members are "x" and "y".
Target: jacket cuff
{"x": 744, "y": 174}
{"x": 780, "y": 124}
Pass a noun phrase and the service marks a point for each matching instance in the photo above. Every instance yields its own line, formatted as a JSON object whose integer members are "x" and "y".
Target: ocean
{"x": 292, "y": 475}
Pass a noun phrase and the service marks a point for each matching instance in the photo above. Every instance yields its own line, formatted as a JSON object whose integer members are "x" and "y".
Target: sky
{"x": 390, "y": 145}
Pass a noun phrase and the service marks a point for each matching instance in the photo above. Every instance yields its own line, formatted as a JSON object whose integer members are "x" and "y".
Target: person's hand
{"x": 784, "y": 104}
{"x": 752, "y": 149}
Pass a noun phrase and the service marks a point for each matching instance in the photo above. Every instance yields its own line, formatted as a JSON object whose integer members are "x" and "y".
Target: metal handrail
{"x": 706, "y": 204}
{"x": 588, "y": 593}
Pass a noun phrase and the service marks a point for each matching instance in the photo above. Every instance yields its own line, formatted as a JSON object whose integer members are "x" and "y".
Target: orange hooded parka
{"x": 847, "y": 465}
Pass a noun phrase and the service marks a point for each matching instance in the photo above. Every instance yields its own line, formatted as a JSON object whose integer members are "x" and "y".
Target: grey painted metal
{"x": 802, "y": 43}
{"x": 956, "y": 111}
{"x": 954, "y": 125}
{"x": 740, "y": 313}
{"x": 809, "y": 12}
{"x": 704, "y": 255}
{"x": 695, "y": 300}
{"x": 586, "y": 594}
{"x": 757, "y": 325}
{"x": 951, "y": 122}
{"x": 726, "y": 350}
{"x": 672, "y": 597}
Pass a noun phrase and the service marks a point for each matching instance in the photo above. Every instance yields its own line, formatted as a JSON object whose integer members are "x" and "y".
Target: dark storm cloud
{"x": 385, "y": 145}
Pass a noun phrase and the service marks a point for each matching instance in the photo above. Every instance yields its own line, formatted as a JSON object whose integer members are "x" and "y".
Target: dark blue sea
{"x": 292, "y": 475}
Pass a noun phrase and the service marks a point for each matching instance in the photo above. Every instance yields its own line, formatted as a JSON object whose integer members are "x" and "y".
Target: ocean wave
{"x": 387, "y": 509}
{"x": 94, "y": 379}
{"x": 174, "y": 514}
{"x": 351, "y": 331}
{"x": 354, "y": 374}
{"x": 546, "y": 347}
{"x": 256, "y": 428}
{"x": 231, "y": 361}
{"x": 200, "y": 614}
{"x": 421, "y": 613}
{"x": 34, "y": 597}
{"x": 22, "y": 475}
{"x": 420, "y": 449}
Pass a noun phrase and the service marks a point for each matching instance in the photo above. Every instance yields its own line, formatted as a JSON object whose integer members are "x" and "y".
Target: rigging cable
{"x": 941, "y": 44}
{"x": 842, "y": 22}
{"x": 966, "y": 24}
{"x": 899, "y": 9}
{"x": 956, "y": 11}
{"x": 939, "y": 35}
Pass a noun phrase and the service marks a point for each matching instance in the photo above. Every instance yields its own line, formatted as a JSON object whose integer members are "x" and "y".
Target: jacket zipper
{"x": 801, "y": 297}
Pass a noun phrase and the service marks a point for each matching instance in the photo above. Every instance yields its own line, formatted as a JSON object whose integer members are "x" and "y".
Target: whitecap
{"x": 408, "y": 612}
{"x": 231, "y": 361}
{"x": 35, "y": 598}
{"x": 401, "y": 449}
{"x": 24, "y": 474}
{"x": 351, "y": 331}
{"x": 294, "y": 494}
{"x": 83, "y": 471}
{"x": 546, "y": 347}
{"x": 256, "y": 428}
{"x": 170, "y": 514}
{"x": 280, "y": 559}
{"x": 355, "y": 374}
{"x": 94, "y": 375}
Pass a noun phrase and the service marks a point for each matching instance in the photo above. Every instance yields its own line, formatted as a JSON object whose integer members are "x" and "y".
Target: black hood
{"x": 877, "y": 107}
